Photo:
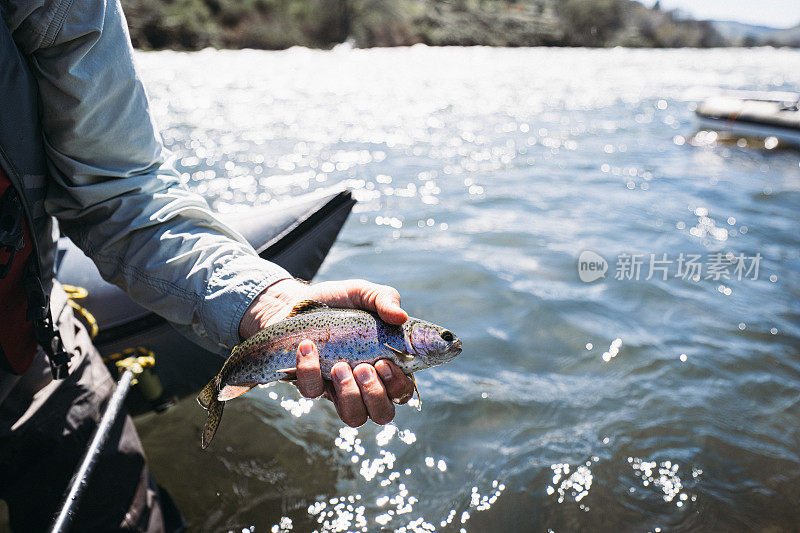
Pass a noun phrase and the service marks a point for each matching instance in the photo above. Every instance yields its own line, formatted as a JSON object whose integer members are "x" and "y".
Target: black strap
{"x": 12, "y": 217}
{"x": 47, "y": 335}
{"x": 11, "y": 228}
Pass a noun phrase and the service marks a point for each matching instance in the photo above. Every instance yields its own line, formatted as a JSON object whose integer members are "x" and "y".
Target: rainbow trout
{"x": 349, "y": 335}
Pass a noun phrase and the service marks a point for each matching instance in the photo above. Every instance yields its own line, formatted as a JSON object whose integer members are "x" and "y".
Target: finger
{"x": 379, "y": 407}
{"x": 398, "y": 386}
{"x": 381, "y": 298}
{"x": 388, "y": 305}
{"x": 309, "y": 377}
{"x": 349, "y": 404}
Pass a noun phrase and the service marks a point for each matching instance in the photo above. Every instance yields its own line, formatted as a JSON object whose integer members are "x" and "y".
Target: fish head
{"x": 431, "y": 345}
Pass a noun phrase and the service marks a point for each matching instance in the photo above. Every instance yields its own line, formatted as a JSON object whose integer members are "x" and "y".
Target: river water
{"x": 632, "y": 402}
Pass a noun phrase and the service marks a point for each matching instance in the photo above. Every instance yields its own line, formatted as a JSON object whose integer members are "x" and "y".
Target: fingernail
{"x": 362, "y": 374}
{"x": 385, "y": 371}
{"x": 338, "y": 372}
{"x": 306, "y": 348}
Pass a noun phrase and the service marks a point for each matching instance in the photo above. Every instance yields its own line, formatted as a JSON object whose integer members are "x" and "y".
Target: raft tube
{"x": 296, "y": 234}
{"x": 761, "y": 117}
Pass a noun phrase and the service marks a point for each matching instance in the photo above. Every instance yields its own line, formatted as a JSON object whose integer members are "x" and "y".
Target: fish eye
{"x": 447, "y": 336}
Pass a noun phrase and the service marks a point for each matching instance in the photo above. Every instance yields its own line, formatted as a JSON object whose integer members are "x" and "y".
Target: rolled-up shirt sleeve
{"x": 115, "y": 191}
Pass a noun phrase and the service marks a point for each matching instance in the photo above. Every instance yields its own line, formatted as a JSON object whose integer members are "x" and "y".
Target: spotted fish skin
{"x": 349, "y": 335}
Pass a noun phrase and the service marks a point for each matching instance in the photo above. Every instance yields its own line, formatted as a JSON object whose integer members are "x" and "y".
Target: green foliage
{"x": 182, "y": 24}
{"x": 381, "y": 23}
{"x": 271, "y": 24}
{"x": 590, "y": 22}
{"x": 490, "y": 23}
{"x": 276, "y": 24}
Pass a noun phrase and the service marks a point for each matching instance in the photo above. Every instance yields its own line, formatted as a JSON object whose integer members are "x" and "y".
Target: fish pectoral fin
{"x": 289, "y": 374}
{"x": 306, "y": 306}
{"x": 401, "y": 354}
{"x": 229, "y": 392}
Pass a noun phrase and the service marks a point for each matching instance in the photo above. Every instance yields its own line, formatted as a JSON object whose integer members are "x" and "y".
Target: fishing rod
{"x": 133, "y": 366}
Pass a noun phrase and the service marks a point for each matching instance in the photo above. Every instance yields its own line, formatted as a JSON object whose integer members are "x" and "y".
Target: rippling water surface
{"x": 482, "y": 174}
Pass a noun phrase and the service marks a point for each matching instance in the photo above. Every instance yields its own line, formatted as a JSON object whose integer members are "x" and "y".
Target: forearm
{"x": 163, "y": 246}
{"x": 119, "y": 198}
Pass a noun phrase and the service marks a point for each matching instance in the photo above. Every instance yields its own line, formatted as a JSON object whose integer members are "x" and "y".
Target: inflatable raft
{"x": 296, "y": 234}
{"x": 756, "y": 116}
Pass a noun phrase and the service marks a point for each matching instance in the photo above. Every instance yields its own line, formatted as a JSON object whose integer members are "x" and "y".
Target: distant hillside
{"x": 787, "y": 37}
{"x": 740, "y": 34}
{"x": 738, "y": 31}
{"x": 276, "y": 24}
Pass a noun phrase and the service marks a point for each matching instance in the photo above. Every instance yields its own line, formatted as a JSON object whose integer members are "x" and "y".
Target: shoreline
{"x": 344, "y": 46}
{"x": 281, "y": 24}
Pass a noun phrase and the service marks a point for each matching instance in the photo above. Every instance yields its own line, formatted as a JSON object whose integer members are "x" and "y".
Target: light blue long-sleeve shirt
{"x": 113, "y": 186}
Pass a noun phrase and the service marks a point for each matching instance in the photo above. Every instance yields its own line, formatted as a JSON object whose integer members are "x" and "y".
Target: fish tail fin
{"x": 208, "y": 400}
{"x": 212, "y": 422}
{"x": 209, "y": 393}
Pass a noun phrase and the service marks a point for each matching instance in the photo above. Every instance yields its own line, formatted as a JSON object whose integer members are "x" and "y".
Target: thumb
{"x": 388, "y": 306}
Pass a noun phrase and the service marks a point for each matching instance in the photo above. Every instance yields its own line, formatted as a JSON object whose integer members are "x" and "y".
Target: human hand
{"x": 356, "y": 393}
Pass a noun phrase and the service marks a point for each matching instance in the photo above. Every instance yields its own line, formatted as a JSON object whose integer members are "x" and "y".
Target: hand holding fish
{"x": 356, "y": 393}
{"x": 337, "y": 331}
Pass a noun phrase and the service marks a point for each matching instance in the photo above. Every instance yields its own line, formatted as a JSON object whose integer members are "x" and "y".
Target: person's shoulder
{"x": 38, "y": 24}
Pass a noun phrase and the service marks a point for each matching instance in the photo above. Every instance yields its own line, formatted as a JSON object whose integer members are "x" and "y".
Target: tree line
{"x": 278, "y": 24}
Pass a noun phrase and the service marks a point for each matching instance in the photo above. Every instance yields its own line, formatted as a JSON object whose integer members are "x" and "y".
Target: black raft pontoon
{"x": 296, "y": 234}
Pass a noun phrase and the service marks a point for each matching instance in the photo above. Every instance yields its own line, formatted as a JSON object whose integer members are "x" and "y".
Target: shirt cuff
{"x": 231, "y": 289}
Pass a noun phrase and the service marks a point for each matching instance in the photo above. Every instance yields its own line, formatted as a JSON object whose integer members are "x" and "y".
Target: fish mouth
{"x": 455, "y": 348}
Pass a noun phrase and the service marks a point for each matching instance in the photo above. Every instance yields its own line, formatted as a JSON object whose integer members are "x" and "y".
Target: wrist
{"x": 271, "y": 305}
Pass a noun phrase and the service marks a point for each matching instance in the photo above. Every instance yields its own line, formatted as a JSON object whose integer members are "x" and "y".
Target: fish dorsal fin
{"x": 306, "y": 306}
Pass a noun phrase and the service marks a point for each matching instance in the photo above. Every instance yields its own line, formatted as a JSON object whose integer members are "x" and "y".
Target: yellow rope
{"x": 136, "y": 359}
{"x": 135, "y": 365}
{"x": 76, "y": 293}
{"x": 127, "y": 360}
{"x": 127, "y": 352}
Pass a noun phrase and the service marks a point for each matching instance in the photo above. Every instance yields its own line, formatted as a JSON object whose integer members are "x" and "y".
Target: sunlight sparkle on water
{"x": 663, "y": 476}
{"x": 613, "y": 350}
{"x": 297, "y": 408}
{"x": 575, "y": 484}
{"x": 284, "y": 526}
{"x": 707, "y": 226}
{"x": 338, "y": 514}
